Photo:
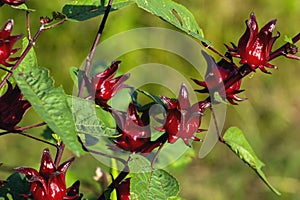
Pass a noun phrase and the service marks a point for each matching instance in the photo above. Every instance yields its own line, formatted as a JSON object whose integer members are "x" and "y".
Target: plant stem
{"x": 32, "y": 126}
{"x": 221, "y": 139}
{"x": 59, "y": 152}
{"x": 28, "y": 26}
{"x": 37, "y": 139}
{"x": 281, "y": 50}
{"x": 55, "y": 24}
{"x": 215, "y": 51}
{"x": 115, "y": 182}
{"x": 93, "y": 49}
{"x": 20, "y": 130}
{"x": 7, "y": 70}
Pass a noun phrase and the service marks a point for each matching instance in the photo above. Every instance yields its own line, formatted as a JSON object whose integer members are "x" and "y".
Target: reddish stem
{"x": 25, "y": 52}
{"x": 59, "y": 152}
{"x": 32, "y": 126}
{"x": 281, "y": 51}
{"x": 221, "y": 139}
{"x": 29, "y": 136}
{"x": 93, "y": 49}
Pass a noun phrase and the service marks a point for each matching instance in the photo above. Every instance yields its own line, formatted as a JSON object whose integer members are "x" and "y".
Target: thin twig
{"x": 281, "y": 50}
{"x": 59, "y": 152}
{"x": 93, "y": 49}
{"x": 7, "y": 70}
{"x": 156, "y": 155}
{"x": 55, "y": 24}
{"x": 32, "y": 126}
{"x": 37, "y": 139}
{"x": 221, "y": 139}
{"x": 215, "y": 51}
{"x": 115, "y": 182}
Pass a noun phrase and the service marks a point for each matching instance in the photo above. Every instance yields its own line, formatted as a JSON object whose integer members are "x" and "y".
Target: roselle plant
{"x": 132, "y": 141}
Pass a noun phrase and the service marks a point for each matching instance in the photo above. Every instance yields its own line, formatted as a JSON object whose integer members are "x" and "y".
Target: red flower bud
{"x": 12, "y": 2}
{"x": 216, "y": 75}
{"x": 182, "y": 119}
{"x": 106, "y": 86}
{"x": 135, "y": 133}
{"x": 6, "y": 44}
{"x": 12, "y": 108}
{"x": 254, "y": 47}
{"x": 49, "y": 183}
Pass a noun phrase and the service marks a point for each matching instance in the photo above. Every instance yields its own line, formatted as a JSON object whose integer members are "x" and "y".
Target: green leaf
{"x": 49, "y": 102}
{"x": 3, "y": 89}
{"x": 175, "y": 198}
{"x": 174, "y": 13}
{"x": 16, "y": 185}
{"x": 150, "y": 185}
{"x": 76, "y": 75}
{"x": 94, "y": 126}
{"x": 155, "y": 98}
{"x": 90, "y": 119}
{"x": 237, "y": 142}
{"x": 288, "y": 39}
{"x": 30, "y": 59}
{"x": 23, "y": 7}
{"x": 80, "y": 10}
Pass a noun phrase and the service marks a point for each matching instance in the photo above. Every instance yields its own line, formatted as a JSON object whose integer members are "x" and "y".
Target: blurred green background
{"x": 269, "y": 118}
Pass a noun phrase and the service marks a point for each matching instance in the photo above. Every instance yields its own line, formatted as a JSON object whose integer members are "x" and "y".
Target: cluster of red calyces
{"x": 49, "y": 183}
{"x": 254, "y": 50}
{"x": 182, "y": 120}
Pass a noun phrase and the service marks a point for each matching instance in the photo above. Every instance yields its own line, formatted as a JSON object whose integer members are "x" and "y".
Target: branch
{"x": 93, "y": 49}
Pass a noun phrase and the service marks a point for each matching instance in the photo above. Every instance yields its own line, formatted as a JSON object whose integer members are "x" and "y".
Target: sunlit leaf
{"x": 80, "y": 10}
{"x": 49, "y": 102}
{"x": 150, "y": 185}
{"x": 23, "y": 7}
{"x": 237, "y": 142}
{"x": 155, "y": 98}
{"x": 90, "y": 119}
{"x": 288, "y": 39}
{"x": 30, "y": 60}
{"x": 174, "y": 13}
